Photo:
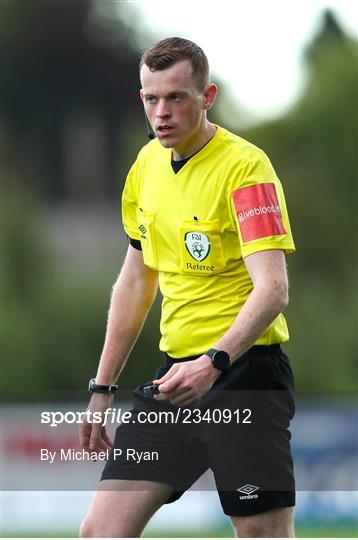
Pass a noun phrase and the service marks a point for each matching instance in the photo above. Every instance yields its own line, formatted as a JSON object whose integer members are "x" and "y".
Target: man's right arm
{"x": 132, "y": 297}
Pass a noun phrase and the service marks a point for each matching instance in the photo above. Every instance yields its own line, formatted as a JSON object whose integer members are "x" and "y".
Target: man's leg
{"x": 122, "y": 508}
{"x": 272, "y": 524}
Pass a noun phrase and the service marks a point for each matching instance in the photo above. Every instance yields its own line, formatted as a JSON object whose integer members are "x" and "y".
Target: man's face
{"x": 173, "y": 103}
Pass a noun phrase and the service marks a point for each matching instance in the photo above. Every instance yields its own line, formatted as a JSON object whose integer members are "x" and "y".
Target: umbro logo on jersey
{"x": 249, "y": 491}
{"x": 198, "y": 245}
{"x": 143, "y": 230}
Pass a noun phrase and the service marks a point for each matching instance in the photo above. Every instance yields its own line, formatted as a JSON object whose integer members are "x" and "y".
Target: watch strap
{"x": 101, "y": 388}
{"x": 211, "y": 352}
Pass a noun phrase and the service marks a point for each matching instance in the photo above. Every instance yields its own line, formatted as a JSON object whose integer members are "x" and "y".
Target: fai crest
{"x": 198, "y": 245}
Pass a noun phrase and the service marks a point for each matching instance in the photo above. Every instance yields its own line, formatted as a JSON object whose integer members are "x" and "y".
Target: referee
{"x": 206, "y": 220}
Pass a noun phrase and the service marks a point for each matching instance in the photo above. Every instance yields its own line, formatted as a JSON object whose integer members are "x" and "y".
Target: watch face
{"x": 221, "y": 360}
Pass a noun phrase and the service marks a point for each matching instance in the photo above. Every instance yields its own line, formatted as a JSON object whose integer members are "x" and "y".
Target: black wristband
{"x": 101, "y": 388}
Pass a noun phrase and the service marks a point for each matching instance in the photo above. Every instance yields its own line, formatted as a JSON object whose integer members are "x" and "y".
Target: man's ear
{"x": 210, "y": 93}
{"x": 141, "y": 94}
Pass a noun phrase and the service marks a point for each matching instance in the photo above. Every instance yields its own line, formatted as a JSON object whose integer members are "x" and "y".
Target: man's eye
{"x": 151, "y": 99}
{"x": 175, "y": 98}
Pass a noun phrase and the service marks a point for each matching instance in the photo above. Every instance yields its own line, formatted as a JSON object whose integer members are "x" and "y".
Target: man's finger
{"x": 103, "y": 446}
{"x": 84, "y": 434}
{"x": 169, "y": 374}
{"x": 161, "y": 397}
{"x": 170, "y": 384}
{"x": 106, "y": 438}
{"x": 179, "y": 391}
{"x": 190, "y": 400}
{"x": 95, "y": 437}
{"x": 182, "y": 399}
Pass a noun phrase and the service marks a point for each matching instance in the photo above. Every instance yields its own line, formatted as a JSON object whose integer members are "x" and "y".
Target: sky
{"x": 254, "y": 46}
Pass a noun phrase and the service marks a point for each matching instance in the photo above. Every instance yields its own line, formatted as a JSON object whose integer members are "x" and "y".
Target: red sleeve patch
{"x": 258, "y": 211}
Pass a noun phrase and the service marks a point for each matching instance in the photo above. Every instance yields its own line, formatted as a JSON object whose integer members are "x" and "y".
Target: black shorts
{"x": 239, "y": 430}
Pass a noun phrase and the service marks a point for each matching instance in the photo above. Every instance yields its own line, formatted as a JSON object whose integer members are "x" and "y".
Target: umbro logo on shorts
{"x": 248, "y": 489}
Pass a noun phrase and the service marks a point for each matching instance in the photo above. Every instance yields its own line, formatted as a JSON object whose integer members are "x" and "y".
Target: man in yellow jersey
{"x": 206, "y": 219}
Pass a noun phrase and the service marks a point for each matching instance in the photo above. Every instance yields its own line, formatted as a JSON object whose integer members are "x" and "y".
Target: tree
{"x": 313, "y": 149}
{"x": 65, "y": 95}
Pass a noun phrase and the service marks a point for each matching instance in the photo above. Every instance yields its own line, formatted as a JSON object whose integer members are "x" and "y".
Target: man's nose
{"x": 163, "y": 111}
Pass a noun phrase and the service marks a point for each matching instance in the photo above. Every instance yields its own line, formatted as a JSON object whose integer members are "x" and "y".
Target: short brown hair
{"x": 169, "y": 51}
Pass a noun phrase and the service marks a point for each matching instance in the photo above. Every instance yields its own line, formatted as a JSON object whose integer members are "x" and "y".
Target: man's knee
{"x": 272, "y": 524}
{"x": 87, "y": 529}
{"x": 245, "y": 528}
{"x": 249, "y": 527}
{"x": 122, "y": 508}
{"x": 92, "y": 528}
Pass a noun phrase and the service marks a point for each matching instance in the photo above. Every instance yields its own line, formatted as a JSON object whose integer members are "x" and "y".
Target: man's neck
{"x": 193, "y": 145}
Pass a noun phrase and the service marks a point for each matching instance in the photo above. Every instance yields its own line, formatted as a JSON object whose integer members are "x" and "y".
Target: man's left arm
{"x": 187, "y": 381}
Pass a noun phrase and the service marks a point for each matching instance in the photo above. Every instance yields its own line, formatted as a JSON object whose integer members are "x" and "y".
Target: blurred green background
{"x": 72, "y": 124}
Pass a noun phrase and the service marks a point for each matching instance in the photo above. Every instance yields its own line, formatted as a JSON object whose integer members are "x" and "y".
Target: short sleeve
{"x": 259, "y": 209}
{"x": 130, "y": 204}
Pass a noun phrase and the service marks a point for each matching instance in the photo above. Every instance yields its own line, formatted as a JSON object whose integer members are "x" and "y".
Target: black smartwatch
{"x": 101, "y": 388}
{"x": 220, "y": 359}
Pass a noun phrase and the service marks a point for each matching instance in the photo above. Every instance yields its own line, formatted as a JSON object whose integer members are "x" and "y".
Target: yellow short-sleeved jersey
{"x": 197, "y": 226}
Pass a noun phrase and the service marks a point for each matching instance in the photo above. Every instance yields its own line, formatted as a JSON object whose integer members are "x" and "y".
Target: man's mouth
{"x": 165, "y": 129}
